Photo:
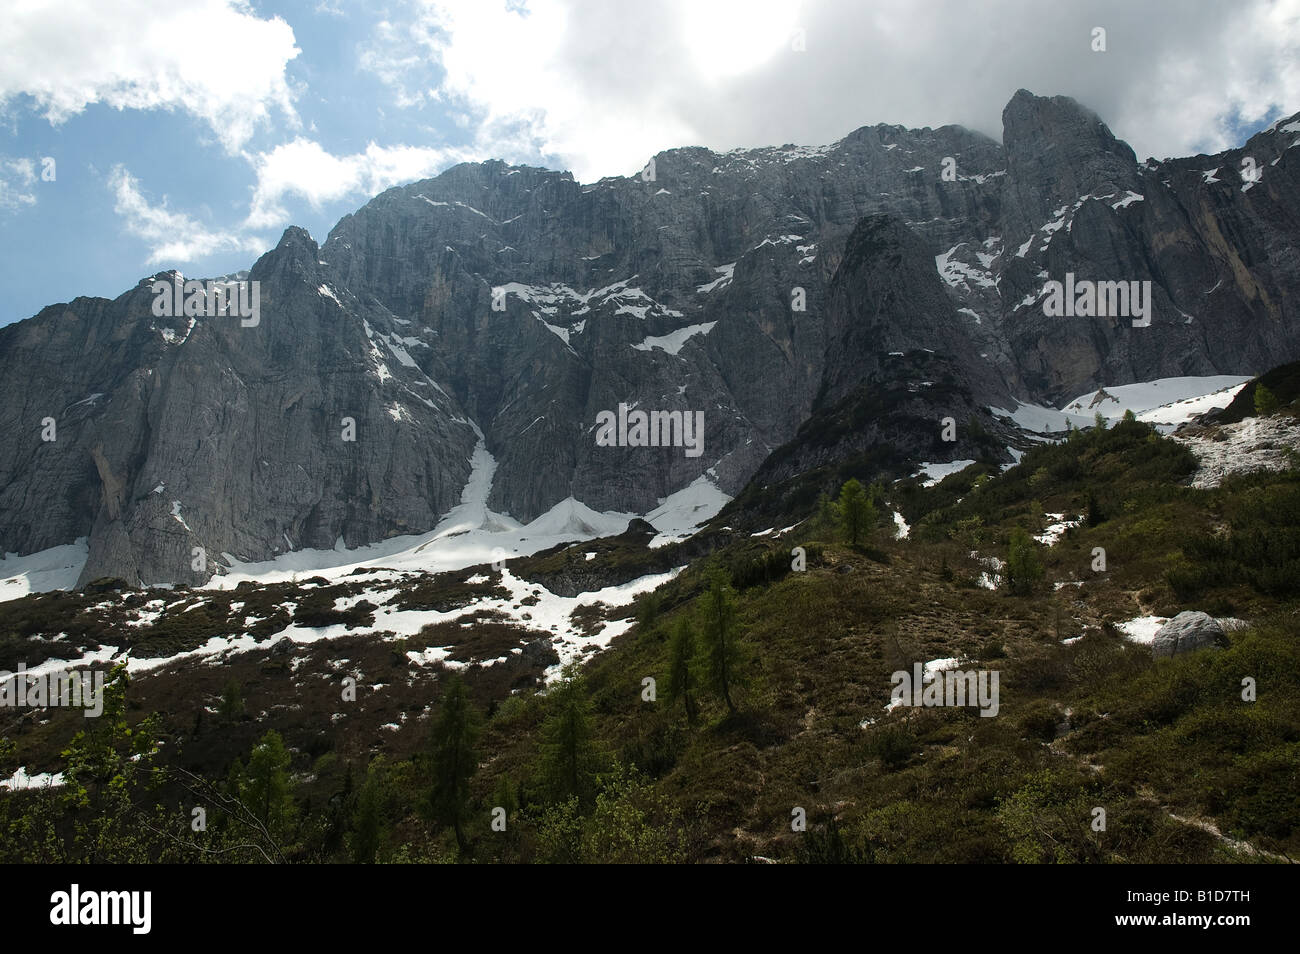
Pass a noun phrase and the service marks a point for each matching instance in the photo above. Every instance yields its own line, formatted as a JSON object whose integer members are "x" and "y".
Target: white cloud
{"x": 600, "y": 87}
{"x": 1251, "y": 69}
{"x": 173, "y": 237}
{"x": 730, "y": 37}
{"x": 17, "y": 176}
{"x": 301, "y": 168}
{"x": 304, "y": 168}
{"x": 215, "y": 59}
{"x": 581, "y": 82}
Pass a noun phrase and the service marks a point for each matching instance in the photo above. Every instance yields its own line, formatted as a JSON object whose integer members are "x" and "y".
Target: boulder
{"x": 539, "y": 654}
{"x": 107, "y": 584}
{"x": 1186, "y": 633}
{"x": 637, "y": 528}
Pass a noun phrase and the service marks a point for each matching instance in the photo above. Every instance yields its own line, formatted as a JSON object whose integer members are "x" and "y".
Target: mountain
{"x": 812, "y": 304}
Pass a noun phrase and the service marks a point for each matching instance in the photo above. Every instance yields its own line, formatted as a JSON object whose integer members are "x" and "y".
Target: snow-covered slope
{"x": 679, "y": 514}
{"x": 467, "y": 535}
{"x": 471, "y": 534}
{"x": 54, "y": 569}
{"x": 1165, "y": 402}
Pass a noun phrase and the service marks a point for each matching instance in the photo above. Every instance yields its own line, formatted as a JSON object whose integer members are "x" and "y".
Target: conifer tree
{"x": 454, "y": 760}
{"x": 231, "y": 706}
{"x": 1266, "y": 401}
{"x": 568, "y": 759}
{"x": 856, "y": 511}
{"x": 1023, "y": 568}
{"x": 264, "y": 786}
{"x": 369, "y": 825}
{"x": 720, "y": 638}
{"x": 681, "y": 679}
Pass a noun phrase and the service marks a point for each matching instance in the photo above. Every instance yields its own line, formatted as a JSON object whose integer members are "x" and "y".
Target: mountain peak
{"x": 1057, "y": 152}
{"x": 296, "y": 236}
{"x": 1058, "y": 121}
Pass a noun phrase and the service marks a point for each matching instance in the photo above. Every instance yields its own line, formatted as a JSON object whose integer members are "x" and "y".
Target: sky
{"x": 137, "y": 136}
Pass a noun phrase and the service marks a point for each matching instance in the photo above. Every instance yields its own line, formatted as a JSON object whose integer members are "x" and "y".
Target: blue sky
{"x": 76, "y": 236}
{"x": 189, "y": 135}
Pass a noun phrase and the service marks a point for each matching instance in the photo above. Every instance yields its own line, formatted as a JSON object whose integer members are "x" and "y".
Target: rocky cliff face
{"x": 177, "y": 433}
{"x": 765, "y": 288}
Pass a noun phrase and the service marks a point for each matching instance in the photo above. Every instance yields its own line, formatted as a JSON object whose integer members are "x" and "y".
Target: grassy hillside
{"x": 592, "y": 770}
{"x": 1165, "y": 747}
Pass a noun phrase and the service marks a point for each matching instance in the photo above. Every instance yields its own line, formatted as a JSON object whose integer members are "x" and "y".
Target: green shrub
{"x": 1266, "y": 402}
{"x": 1024, "y": 570}
{"x": 1039, "y": 720}
{"x": 893, "y": 745}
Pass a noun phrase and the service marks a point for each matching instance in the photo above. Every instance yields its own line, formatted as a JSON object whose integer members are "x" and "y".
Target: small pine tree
{"x": 1094, "y": 512}
{"x": 1023, "y": 568}
{"x": 1099, "y": 421}
{"x": 681, "y": 679}
{"x": 453, "y": 757}
{"x": 828, "y": 517}
{"x": 568, "y": 751}
{"x": 231, "y": 706}
{"x": 264, "y": 786}
{"x": 647, "y": 609}
{"x": 876, "y": 494}
{"x": 1266, "y": 401}
{"x": 369, "y": 824}
{"x": 720, "y": 638}
{"x": 857, "y": 513}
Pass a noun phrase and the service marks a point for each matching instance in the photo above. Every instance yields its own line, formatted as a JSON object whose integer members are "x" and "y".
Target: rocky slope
{"x": 766, "y": 288}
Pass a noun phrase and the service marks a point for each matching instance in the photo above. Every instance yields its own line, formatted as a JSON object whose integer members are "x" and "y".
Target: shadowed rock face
{"x": 763, "y": 287}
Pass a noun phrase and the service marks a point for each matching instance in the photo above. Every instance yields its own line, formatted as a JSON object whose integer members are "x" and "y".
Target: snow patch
{"x": 937, "y": 472}
{"x": 680, "y": 513}
{"x": 20, "y": 780}
{"x": 726, "y": 273}
{"x": 1056, "y": 529}
{"x": 673, "y": 341}
{"x": 1142, "y": 629}
{"x": 54, "y": 569}
{"x": 1167, "y": 401}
